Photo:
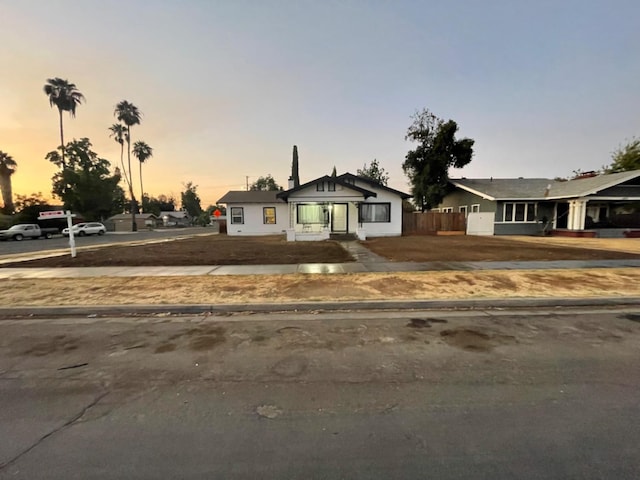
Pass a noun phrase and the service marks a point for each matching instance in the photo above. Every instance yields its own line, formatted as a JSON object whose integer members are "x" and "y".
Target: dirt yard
{"x": 275, "y": 250}
{"x": 248, "y": 289}
{"x": 429, "y": 248}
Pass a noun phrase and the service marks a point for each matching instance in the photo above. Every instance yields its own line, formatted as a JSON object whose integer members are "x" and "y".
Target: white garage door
{"x": 480, "y": 223}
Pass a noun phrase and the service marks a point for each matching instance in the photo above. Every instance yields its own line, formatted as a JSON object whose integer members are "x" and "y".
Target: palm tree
{"x": 66, "y": 97}
{"x": 129, "y": 114}
{"x": 142, "y": 152}
{"x": 119, "y": 133}
{"x": 7, "y": 168}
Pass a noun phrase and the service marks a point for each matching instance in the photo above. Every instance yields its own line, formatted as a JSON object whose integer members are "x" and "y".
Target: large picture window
{"x": 519, "y": 212}
{"x": 269, "y": 215}
{"x": 375, "y": 212}
{"x": 237, "y": 215}
{"x": 311, "y": 213}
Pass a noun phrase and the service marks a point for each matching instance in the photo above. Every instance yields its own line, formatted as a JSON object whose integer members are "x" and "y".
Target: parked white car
{"x": 82, "y": 229}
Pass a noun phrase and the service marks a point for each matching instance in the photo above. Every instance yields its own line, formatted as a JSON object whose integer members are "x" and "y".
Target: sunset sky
{"x": 227, "y": 88}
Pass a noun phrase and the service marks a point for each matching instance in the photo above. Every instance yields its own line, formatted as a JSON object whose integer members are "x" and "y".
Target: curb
{"x": 302, "y": 307}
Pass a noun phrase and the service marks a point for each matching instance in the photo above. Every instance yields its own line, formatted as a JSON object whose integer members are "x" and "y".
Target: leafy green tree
{"x": 626, "y": 158}
{"x": 7, "y": 168}
{"x": 66, "y": 97}
{"x": 163, "y": 203}
{"x": 375, "y": 172}
{"x": 191, "y": 200}
{"x": 28, "y": 207}
{"x": 87, "y": 186}
{"x": 265, "y": 184}
{"x": 129, "y": 115}
{"x": 436, "y": 152}
{"x": 142, "y": 152}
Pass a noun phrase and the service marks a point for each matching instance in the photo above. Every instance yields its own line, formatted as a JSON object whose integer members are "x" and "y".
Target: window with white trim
{"x": 311, "y": 214}
{"x": 446, "y": 210}
{"x": 475, "y": 208}
{"x": 463, "y": 209}
{"x": 269, "y": 215}
{"x": 237, "y": 215}
{"x": 375, "y": 212}
{"x": 520, "y": 212}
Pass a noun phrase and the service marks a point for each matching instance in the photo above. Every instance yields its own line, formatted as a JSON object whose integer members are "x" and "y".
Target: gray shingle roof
{"x": 536, "y": 188}
{"x": 251, "y": 196}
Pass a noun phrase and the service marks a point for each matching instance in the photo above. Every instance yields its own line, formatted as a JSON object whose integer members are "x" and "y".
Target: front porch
{"x": 315, "y": 221}
{"x": 596, "y": 217}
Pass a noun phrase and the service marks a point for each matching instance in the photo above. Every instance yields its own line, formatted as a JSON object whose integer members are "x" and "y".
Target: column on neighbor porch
{"x": 577, "y": 214}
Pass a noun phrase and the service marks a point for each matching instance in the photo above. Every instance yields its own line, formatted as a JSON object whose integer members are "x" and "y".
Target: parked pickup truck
{"x": 27, "y": 230}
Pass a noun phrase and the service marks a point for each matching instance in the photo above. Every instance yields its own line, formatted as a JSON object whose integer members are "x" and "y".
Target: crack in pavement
{"x": 56, "y": 430}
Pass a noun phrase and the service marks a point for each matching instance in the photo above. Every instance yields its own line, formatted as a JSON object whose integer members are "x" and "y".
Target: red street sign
{"x": 52, "y": 214}
{"x": 216, "y": 213}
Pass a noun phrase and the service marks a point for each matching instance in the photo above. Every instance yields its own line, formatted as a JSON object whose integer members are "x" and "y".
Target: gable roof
{"x": 541, "y": 188}
{"x": 250, "y": 196}
{"x": 373, "y": 183}
{"x": 337, "y": 180}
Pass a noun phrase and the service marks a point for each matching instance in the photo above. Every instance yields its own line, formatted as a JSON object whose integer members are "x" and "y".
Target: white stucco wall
{"x": 254, "y": 222}
{"x": 385, "y": 229}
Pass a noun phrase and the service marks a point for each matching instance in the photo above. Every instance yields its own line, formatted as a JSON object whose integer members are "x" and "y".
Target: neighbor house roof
{"x": 337, "y": 180}
{"x": 175, "y": 214}
{"x": 251, "y": 196}
{"x": 541, "y": 188}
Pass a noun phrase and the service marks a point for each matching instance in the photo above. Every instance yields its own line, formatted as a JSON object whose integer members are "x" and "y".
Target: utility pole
{"x": 247, "y": 179}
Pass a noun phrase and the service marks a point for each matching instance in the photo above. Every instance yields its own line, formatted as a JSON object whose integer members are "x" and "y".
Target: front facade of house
{"x": 604, "y": 205}
{"x": 345, "y": 204}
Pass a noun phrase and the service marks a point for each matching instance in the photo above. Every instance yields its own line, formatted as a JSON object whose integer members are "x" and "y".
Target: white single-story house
{"x": 605, "y": 205}
{"x": 344, "y": 204}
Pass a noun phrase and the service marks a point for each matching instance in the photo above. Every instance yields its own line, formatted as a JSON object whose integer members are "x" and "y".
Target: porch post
{"x": 582, "y": 214}
{"x": 577, "y": 214}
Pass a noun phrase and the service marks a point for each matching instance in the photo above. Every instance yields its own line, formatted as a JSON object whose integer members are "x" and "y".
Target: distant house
{"x": 604, "y": 205}
{"x": 345, "y": 204}
{"x": 122, "y": 222}
{"x": 178, "y": 218}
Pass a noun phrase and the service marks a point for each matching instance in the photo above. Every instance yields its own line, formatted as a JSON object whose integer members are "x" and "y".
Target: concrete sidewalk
{"x": 307, "y": 268}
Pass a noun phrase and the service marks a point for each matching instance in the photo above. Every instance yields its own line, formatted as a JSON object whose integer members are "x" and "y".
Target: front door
{"x": 339, "y": 223}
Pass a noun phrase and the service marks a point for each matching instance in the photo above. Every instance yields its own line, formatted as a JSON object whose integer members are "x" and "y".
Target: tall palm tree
{"x": 129, "y": 114}
{"x": 119, "y": 133}
{"x": 7, "y": 168}
{"x": 142, "y": 152}
{"x": 66, "y": 97}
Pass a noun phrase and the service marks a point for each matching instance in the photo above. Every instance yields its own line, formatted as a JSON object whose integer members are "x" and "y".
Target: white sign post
{"x": 62, "y": 214}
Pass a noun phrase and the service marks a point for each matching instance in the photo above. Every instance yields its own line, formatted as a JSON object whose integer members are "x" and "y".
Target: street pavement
{"x": 364, "y": 395}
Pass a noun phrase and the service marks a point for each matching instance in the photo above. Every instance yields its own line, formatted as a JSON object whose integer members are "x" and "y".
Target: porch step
{"x": 342, "y": 237}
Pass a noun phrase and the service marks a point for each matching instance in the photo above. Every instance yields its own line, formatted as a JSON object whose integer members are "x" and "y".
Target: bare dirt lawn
{"x": 275, "y": 250}
{"x": 202, "y": 250}
{"x": 462, "y": 248}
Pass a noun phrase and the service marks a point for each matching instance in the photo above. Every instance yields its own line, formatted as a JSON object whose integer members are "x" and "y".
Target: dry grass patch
{"x": 248, "y": 289}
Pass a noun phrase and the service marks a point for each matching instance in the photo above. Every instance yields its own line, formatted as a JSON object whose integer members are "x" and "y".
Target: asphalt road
{"x": 59, "y": 242}
{"x": 370, "y": 395}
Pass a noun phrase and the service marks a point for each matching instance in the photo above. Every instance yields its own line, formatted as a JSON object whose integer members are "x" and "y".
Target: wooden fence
{"x": 430, "y": 223}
